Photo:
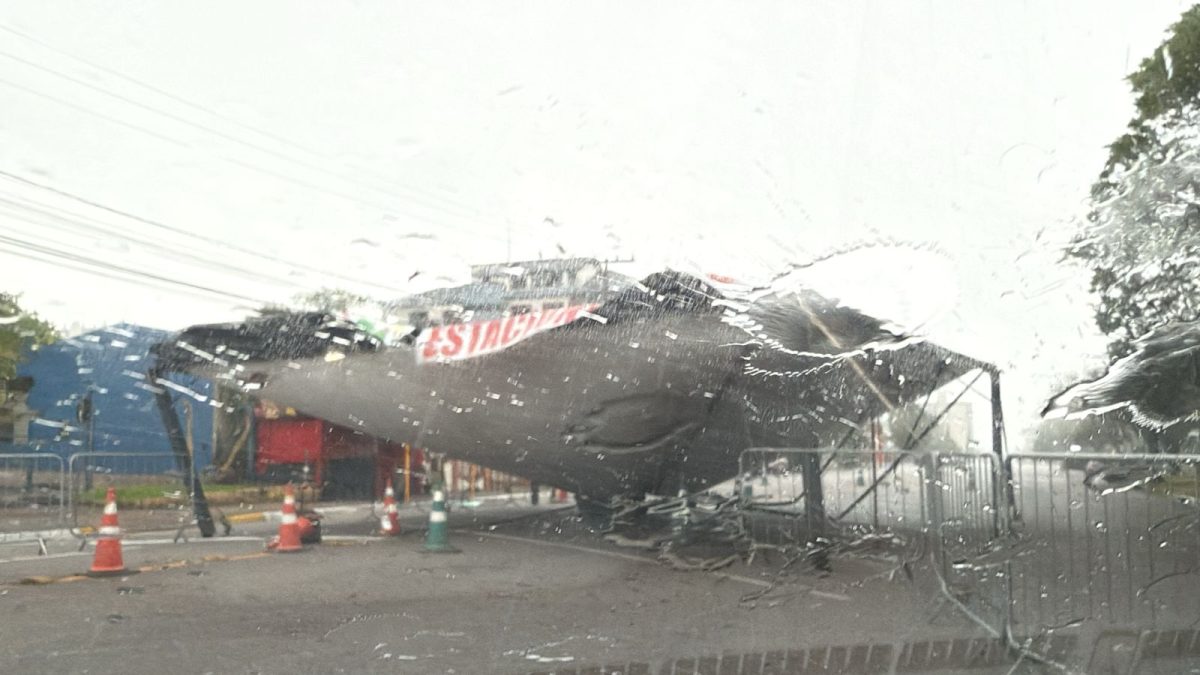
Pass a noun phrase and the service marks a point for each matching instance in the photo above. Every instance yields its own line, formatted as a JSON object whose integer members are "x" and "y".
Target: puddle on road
{"x": 558, "y": 651}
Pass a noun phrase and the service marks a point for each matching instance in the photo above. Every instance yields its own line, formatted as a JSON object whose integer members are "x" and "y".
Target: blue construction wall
{"x": 112, "y": 362}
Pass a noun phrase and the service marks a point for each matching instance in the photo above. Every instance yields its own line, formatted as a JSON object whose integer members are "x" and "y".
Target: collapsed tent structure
{"x": 654, "y": 392}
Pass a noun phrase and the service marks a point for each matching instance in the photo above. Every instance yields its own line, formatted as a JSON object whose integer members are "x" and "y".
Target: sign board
{"x": 458, "y": 341}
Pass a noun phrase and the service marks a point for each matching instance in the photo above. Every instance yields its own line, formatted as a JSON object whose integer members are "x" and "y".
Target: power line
{"x": 192, "y": 235}
{"x": 207, "y": 129}
{"x": 100, "y": 264}
{"x": 205, "y": 109}
{"x": 93, "y": 113}
{"x": 99, "y": 273}
{"x": 87, "y": 225}
{"x": 308, "y": 184}
{"x": 302, "y": 183}
{"x": 275, "y": 174}
{"x": 150, "y": 87}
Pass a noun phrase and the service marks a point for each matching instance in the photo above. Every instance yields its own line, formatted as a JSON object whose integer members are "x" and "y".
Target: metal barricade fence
{"x": 943, "y": 504}
{"x": 464, "y": 481}
{"x": 1106, "y": 538}
{"x": 891, "y": 491}
{"x": 150, "y": 489}
{"x": 32, "y": 492}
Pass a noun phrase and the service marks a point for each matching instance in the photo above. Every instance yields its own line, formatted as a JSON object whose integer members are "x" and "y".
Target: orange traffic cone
{"x": 389, "y": 524}
{"x": 289, "y": 528}
{"x": 108, "y": 560}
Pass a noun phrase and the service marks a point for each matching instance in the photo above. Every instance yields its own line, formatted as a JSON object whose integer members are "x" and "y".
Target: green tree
{"x": 1165, "y": 81}
{"x": 340, "y": 302}
{"x": 1141, "y": 240}
{"x": 332, "y": 300}
{"x": 19, "y": 330}
{"x": 910, "y": 422}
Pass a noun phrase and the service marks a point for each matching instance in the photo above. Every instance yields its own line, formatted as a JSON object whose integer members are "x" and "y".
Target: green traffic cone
{"x": 436, "y": 538}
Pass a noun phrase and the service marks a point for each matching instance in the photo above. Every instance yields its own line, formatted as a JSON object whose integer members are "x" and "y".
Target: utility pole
{"x": 618, "y": 260}
{"x": 606, "y": 261}
{"x": 85, "y": 414}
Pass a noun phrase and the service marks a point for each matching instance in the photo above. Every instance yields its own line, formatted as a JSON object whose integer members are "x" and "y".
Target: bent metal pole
{"x": 183, "y": 459}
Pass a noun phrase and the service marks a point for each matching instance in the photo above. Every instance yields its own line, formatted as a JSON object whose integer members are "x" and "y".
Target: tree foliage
{"x": 1142, "y": 238}
{"x": 908, "y": 426}
{"x": 341, "y": 303}
{"x": 19, "y": 330}
{"x": 1166, "y": 81}
{"x": 332, "y": 300}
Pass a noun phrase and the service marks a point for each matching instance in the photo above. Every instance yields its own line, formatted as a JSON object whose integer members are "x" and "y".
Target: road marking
{"x": 175, "y": 564}
{"x": 191, "y": 540}
{"x": 611, "y": 554}
{"x": 52, "y": 556}
{"x": 355, "y": 538}
{"x": 341, "y": 508}
{"x": 45, "y": 581}
{"x": 246, "y": 517}
{"x": 830, "y": 596}
{"x": 37, "y": 581}
{"x": 246, "y": 556}
{"x": 32, "y": 535}
{"x": 131, "y": 542}
{"x": 156, "y": 567}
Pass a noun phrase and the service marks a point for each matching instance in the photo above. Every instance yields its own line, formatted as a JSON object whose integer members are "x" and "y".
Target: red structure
{"x": 354, "y": 462}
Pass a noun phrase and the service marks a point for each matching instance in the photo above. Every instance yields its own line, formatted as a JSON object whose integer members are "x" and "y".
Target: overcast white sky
{"x": 382, "y": 140}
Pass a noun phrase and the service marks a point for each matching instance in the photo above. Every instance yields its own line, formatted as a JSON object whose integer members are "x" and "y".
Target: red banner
{"x": 459, "y": 341}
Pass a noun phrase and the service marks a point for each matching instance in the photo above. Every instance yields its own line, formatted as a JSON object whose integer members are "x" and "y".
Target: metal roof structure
{"x": 657, "y": 389}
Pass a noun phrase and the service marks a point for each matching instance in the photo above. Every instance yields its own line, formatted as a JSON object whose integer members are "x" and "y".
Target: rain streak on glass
{"x": 843, "y": 338}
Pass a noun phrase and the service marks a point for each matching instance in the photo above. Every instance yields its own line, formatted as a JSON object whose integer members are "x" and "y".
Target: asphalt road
{"x": 532, "y": 590}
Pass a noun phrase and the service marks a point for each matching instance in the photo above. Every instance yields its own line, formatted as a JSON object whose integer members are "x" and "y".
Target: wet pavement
{"x": 533, "y": 590}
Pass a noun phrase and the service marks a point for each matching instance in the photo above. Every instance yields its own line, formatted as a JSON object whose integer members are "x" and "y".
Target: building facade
{"x": 110, "y": 365}
{"x": 498, "y": 289}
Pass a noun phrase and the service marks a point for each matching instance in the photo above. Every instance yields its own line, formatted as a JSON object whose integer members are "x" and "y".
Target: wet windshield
{"x": 826, "y": 337}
